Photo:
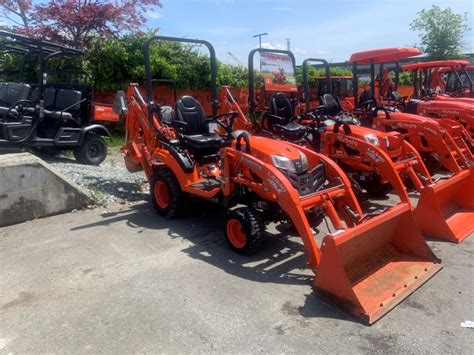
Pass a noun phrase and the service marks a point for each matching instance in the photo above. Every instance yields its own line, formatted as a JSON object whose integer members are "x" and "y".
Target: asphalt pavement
{"x": 125, "y": 280}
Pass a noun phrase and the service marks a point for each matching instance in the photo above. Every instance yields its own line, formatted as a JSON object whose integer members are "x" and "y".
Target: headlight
{"x": 372, "y": 139}
{"x": 283, "y": 163}
{"x": 293, "y": 166}
{"x": 304, "y": 161}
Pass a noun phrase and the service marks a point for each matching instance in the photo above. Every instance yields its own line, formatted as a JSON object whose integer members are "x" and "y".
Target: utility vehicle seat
{"x": 49, "y": 97}
{"x": 65, "y": 100}
{"x": 282, "y": 117}
{"x": 190, "y": 120}
{"x": 10, "y": 94}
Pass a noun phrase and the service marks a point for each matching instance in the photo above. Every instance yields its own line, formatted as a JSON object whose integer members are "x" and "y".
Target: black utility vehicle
{"x": 43, "y": 115}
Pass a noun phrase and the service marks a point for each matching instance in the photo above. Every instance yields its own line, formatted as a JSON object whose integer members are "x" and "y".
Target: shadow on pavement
{"x": 282, "y": 259}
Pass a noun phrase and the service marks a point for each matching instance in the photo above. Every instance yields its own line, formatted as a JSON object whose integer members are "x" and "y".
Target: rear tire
{"x": 244, "y": 230}
{"x": 166, "y": 194}
{"x": 93, "y": 151}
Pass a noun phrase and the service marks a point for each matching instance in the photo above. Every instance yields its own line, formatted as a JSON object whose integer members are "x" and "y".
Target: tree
{"x": 441, "y": 32}
{"x": 76, "y": 22}
{"x": 112, "y": 63}
{"x": 17, "y": 12}
{"x": 314, "y": 73}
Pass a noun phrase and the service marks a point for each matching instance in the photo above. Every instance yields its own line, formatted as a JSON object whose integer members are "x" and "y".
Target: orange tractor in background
{"x": 429, "y": 84}
{"x": 367, "y": 264}
{"x": 465, "y": 73}
{"x": 449, "y": 201}
{"x": 461, "y": 112}
{"x": 457, "y": 123}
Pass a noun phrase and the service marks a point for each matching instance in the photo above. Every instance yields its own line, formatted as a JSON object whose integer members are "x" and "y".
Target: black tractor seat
{"x": 190, "y": 120}
{"x": 281, "y": 116}
{"x": 291, "y": 130}
{"x": 331, "y": 106}
{"x": 333, "y": 109}
{"x": 199, "y": 141}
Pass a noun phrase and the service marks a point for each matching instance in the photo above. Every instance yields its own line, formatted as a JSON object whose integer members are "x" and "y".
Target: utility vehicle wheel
{"x": 93, "y": 151}
{"x": 168, "y": 198}
{"x": 244, "y": 230}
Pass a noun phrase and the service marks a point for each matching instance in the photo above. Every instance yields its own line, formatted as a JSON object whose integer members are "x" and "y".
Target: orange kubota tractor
{"x": 428, "y": 83}
{"x": 366, "y": 264}
{"x": 458, "y": 128}
{"x": 314, "y": 131}
{"x": 460, "y": 112}
{"x": 454, "y": 88}
{"x": 443, "y": 150}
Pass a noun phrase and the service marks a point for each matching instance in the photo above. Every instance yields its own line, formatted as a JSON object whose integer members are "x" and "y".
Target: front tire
{"x": 244, "y": 230}
{"x": 93, "y": 151}
{"x": 168, "y": 198}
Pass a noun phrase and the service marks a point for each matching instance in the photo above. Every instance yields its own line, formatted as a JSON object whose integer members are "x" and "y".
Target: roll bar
{"x": 468, "y": 78}
{"x": 146, "y": 54}
{"x": 252, "y": 103}
{"x": 306, "y": 81}
{"x": 355, "y": 78}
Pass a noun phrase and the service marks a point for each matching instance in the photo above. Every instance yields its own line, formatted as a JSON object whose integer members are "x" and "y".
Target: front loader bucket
{"x": 369, "y": 269}
{"x": 446, "y": 209}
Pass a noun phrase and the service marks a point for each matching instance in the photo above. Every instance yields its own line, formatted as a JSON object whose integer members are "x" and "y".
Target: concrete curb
{"x": 30, "y": 188}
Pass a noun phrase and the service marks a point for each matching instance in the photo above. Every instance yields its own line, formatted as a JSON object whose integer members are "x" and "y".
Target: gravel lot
{"x": 109, "y": 183}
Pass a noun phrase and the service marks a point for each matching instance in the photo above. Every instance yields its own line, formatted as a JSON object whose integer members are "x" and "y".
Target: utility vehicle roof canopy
{"x": 383, "y": 55}
{"x": 23, "y": 43}
{"x": 435, "y": 64}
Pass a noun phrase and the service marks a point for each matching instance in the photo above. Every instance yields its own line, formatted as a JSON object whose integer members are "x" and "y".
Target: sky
{"x": 331, "y": 29}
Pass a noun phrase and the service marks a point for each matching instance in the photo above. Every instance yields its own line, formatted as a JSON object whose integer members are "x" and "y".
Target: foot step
{"x": 206, "y": 184}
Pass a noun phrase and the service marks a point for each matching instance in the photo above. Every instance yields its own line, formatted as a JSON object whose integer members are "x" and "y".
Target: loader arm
{"x": 375, "y": 158}
{"x": 272, "y": 185}
{"x": 227, "y": 103}
{"x": 438, "y": 142}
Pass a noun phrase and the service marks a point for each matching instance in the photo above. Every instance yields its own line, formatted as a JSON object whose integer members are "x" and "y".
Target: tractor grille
{"x": 310, "y": 182}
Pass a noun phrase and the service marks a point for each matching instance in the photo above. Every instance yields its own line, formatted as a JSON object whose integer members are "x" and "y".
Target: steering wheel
{"x": 402, "y": 100}
{"x": 348, "y": 119}
{"x": 17, "y": 110}
{"x": 314, "y": 110}
{"x": 381, "y": 108}
{"x": 346, "y": 127}
{"x": 227, "y": 117}
{"x": 366, "y": 104}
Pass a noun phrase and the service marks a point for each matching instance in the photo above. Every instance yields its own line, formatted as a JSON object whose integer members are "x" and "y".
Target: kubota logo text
{"x": 431, "y": 130}
{"x": 375, "y": 156}
{"x": 403, "y": 125}
{"x": 250, "y": 163}
{"x": 346, "y": 140}
{"x": 276, "y": 183}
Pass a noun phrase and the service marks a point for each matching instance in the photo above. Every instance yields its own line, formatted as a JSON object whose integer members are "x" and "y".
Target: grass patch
{"x": 117, "y": 140}
{"x": 97, "y": 195}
